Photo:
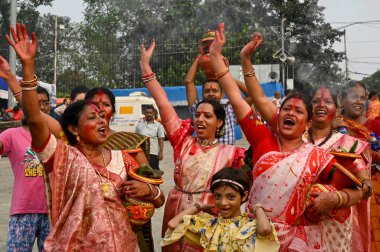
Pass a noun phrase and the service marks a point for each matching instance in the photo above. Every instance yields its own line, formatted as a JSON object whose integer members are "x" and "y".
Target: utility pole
{"x": 12, "y": 53}
{"x": 345, "y": 53}
{"x": 55, "y": 48}
{"x": 283, "y": 51}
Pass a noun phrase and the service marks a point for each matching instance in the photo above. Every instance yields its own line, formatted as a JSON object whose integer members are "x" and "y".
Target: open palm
{"x": 26, "y": 50}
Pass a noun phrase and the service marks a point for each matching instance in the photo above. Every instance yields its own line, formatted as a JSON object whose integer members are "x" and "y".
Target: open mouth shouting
{"x": 102, "y": 131}
{"x": 289, "y": 123}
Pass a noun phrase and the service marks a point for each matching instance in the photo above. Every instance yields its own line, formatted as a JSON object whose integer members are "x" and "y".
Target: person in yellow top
{"x": 232, "y": 230}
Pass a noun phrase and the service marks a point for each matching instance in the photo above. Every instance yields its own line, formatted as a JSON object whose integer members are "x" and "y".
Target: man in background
{"x": 153, "y": 129}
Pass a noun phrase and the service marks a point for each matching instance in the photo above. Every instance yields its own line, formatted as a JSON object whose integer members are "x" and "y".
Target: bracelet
{"x": 348, "y": 197}
{"x": 150, "y": 189}
{"x": 368, "y": 183}
{"x": 159, "y": 193}
{"x": 17, "y": 94}
{"x": 340, "y": 198}
{"x": 199, "y": 208}
{"x": 251, "y": 73}
{"x": 29, "y": 88}
{"x": 30, "y": 81}
{"x": 255, "y": 207}
{"x": 148, "y": 75}
{"x": 151, "y": 78}
{"x": 218, "y": 76}
{"x": 153, "y": 192}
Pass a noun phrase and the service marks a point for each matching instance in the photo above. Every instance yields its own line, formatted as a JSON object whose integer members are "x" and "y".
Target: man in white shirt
{"x": 153, "y": 129}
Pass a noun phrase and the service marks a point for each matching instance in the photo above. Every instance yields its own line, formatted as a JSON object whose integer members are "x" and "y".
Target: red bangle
{"x": 148, "y": 75}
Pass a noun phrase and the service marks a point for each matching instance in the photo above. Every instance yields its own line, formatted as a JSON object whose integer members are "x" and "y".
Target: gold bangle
{"x": 250, "y": 73}
{"x": 17, "y": 94}
{"x": 340, "y": 196}
{"x": 255, "y": 207}
{"x": 218, "y": 76}
{"x": 30, "y": 81}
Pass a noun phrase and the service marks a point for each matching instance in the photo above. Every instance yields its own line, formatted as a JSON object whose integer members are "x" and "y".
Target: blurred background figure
{"x": 373, "y": 109}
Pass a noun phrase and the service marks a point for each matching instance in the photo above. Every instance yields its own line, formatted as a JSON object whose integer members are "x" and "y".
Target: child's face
{"x": 228, "y": 201}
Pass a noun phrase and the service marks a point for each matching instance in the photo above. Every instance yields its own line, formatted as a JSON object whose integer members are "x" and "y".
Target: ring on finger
{"x": 127, "y": 188}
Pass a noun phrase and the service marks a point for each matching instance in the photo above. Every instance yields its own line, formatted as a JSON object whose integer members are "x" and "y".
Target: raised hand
{"x": 146, "y": 55}
{"x": 217, "y": 45}
{"x": 251, "y": 47}
{"x": 5, "y": 69}
{"x": 26, "y": 50}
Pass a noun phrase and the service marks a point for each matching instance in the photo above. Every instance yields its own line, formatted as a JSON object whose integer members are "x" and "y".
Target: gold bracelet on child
{"x": 250, "y": 73}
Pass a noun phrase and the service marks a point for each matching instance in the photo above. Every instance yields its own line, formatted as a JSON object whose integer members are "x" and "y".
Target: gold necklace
{"x": 205, "y": 142}
{"x": 282, "y": 149}
{"x": 104, "y": 185}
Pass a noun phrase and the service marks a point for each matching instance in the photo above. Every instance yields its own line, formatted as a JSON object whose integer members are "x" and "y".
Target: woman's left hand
{"x": 136, "y": 189}
{"x": 322, "y": 203}
{"x": 217, "y": 45}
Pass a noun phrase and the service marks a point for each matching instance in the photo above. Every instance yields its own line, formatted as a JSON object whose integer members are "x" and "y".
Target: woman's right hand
{"x": 251, "y": 47}
{"x": 5, "y": 69}
{"x": 26, "y": 50}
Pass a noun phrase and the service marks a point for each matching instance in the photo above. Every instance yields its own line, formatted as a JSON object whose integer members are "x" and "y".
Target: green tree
{"x": 26, "y": 13}
{"x": 372, "y": 82}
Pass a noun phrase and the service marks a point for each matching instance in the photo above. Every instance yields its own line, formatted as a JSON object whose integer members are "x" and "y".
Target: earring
{"x": 78, "y": 138}
{"x": 218, "y": 132}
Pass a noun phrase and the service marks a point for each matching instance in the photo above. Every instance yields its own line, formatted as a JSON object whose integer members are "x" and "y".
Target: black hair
{"x": 24, "y": 122}
{"x": 304, "y": 98}
{"x": 236, "y": 175}
{"x": 80, "y": 89}
{"x": 216, "y": 81}
{"x": 372, "y": 94}
{"x": 94, "y": 91}
{"x": 352, "y": 83}
{"x": 150, "y": 107}
{"x": 16, "y": 108}
{"x": 287, "y": 92}
{"x": 333, "y": 93}
{"x": 41, "y": 90}
{"x": 219, "y": 112}
{"x": 71, "y": 117}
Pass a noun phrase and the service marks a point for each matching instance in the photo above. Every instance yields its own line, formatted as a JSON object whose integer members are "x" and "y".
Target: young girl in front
{"x": 232, "y": 230}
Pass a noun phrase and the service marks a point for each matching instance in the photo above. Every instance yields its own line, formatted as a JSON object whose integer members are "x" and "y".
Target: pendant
{"x": 105, "y": 188}
{"x": 177, "y": 165}
{"x": 188, "y": 199}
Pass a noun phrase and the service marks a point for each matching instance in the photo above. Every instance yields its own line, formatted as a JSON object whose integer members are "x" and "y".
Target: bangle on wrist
{"x": 158, "y": 194}
{"x": 17, "y": 94}
{"x": 199, "y": 208}
{"x": 220, "y": 75}
{"x": 255, "y": 207}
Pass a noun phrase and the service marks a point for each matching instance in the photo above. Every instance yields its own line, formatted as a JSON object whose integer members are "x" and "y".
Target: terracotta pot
{"x": 206, "y": 66}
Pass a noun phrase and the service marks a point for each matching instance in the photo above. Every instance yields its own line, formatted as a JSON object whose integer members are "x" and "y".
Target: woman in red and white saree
{"x": 284, "y": 165}
{"x": 196, "y": 159}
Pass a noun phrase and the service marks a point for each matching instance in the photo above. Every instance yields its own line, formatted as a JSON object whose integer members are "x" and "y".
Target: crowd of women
{"x": 308, "y": 188}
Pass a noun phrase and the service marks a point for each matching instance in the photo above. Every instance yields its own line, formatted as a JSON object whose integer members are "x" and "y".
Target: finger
{"x": 314, "y": 194}
{"x": 13, "y": 32}
{"x": 221, "y": 31}
{"x": 142, "y": 48}
{"x": 10, "y": 41}
{"x": 24, "y": 32}
{"x": 19, "y": 33}
{"x": 34, "y": 39}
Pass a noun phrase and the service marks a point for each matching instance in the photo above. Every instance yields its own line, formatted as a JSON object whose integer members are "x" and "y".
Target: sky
{"x": 363, "y": 40}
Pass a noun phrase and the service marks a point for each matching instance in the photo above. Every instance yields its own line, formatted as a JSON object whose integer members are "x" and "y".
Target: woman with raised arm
{"x": 196, "y": 158}
{"x": 284, "y": 165}
{"x": 321, "y": 133}
{"x": 87, "y": 182}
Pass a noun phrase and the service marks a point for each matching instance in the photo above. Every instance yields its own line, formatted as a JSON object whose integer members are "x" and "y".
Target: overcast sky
{"x": 363, "y": 40}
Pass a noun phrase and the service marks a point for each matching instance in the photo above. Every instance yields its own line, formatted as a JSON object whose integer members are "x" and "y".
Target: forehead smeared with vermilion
{"x": 295, "y": 103}
{"x": 93, "y": 106}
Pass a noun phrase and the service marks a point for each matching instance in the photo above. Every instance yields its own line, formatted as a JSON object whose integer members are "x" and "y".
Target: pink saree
{"x": 87, "y": 212}
{"x": 194, "y": 168}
